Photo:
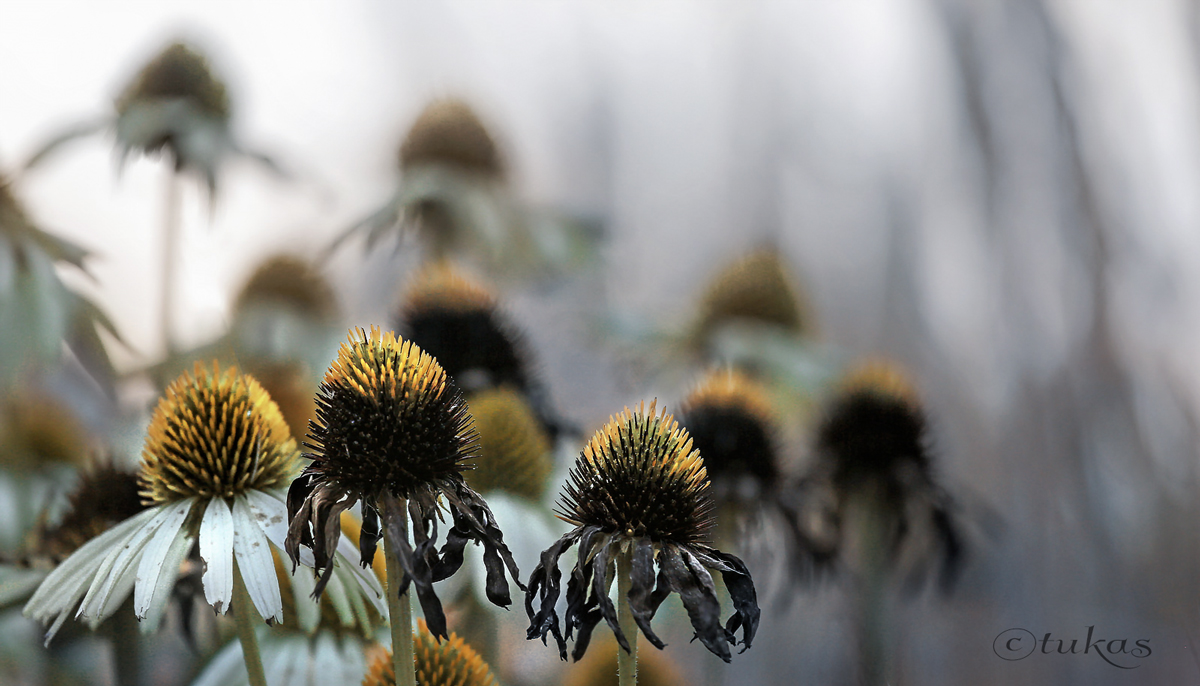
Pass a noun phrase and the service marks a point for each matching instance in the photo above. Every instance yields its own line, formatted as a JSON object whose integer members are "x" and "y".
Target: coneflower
{"x": 393, "y": 431}
{"x": 638, "y": 497}
{"x": 289, "y": 283}
{"x": 514, "y": 449}
{"x": 38, "y": 431}
{"x": 757, "y": 289}
{"x": 105, "y": 496}
{"x": 734, "y": 425}
{"x": 216, "y": 451}
{"x": 449, "y": 132}
{"x": 437, "y": 663}
{"x": 872, "y": 447}
{"x": 458, "y": 321}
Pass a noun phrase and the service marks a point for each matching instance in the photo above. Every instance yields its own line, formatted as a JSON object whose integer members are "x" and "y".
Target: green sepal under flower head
{"x": 438, "y": 663}
{"x": 215, "y": 434}
{"x": 638, "y": 489}
{"x": 514, "y": 451}
{"x": 391, "y": 426}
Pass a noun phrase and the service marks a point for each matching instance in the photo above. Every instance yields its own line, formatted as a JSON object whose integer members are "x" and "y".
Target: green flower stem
{"x": 400, "y": 606}
{"x": 246, "y": 617}
{"x": 626, "y": 661}
{"x": 170, "y": 258}
{"x": 872, "y": 620}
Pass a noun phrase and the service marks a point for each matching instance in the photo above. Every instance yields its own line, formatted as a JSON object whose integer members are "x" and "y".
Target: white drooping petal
{"x": 271, "y": 514}
{"x": 335, "y": 592}
{"x": 69, "y": 581}
{"x": 367, "y": 581}
{"x": 254, "y": 561}
{"x": 161, "y": 594}
{"x": 154, "y": 557}
{"x": 308, "y": 609}
{"x": 224, "y": 668}
{"x": 111, "y": 575}
{"x": 216, "y": 552}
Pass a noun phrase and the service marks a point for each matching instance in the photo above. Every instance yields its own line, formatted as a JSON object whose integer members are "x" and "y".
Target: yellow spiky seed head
{"x": 639, "y": 476}
{"x": 388, "y": 417}
{"x": 440, "y": 287}
{"x": 514, "y": 450}
{"x": 179, "y": 71}
{"x": 755, "y": 288}
{"x": 448, "y": 663}
{"x": 449, "y": 132}
{"x": 289, "y": 282}
{"x": 215, "y": 434}
{"x": 881, "y": 378}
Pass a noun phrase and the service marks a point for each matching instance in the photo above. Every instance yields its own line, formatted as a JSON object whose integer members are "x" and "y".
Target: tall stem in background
{"x": 170, "y": 256}
{"x": 399, "y": 606}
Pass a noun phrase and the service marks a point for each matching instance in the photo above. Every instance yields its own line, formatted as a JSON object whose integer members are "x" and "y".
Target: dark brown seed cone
{"x": 388, "y": 418}
{"x": 179, "y": 71}
{"x": 449, "y": 132}
{"x": 105, "y": 496}
{"x": 291, "y": 283}
{"x": 733, "y": 425}
{"x": 873, "y": 445}
{"x": 755, "y": 288}
{"x": 640, "y": 477}
{"x": 456, "y": 320}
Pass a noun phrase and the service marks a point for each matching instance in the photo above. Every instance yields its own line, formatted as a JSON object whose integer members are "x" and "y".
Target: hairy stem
{"x": 399, "y": 606}
{"x": 246, "y": 617}
{"x": 626, "y": 661}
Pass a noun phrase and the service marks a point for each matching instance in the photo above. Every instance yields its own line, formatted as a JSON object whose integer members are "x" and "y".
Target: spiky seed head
{"x": 440, "y": 287}
{"x": 514, "y": 450}
{"x": 105, "y": 496}
{"x": 179, "y": 71}
{"x": 449, "y": 132}
{"x": 733, "y": 424}
{"x": 599, "y": 667}
{"x": 639, "y": 476}
{"x": 37, "y": 430}
{"x": 288, "y": 282}
{"x": 292, "y": 388}
{"x": 455, "y": 319}
{"x": 874, "y": 425}
{"x": 756, "y": 288}
{"x": 446, "y": 663}
{"x": 215, "y": 434}
{"x": 388, "y": 417}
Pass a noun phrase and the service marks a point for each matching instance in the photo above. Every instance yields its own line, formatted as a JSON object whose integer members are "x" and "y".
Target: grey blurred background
{"x": 1005, "y": 196}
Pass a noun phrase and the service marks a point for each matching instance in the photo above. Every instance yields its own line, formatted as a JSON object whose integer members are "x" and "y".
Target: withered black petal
{"x": 586, "y": 623}
{"x": 741, "y": 592}
{"x": 694, "y": 585}
{"x": 368, "y": 538}
{"x": 414, "y": 562}
{"x": 545, "y": 585}
{"x": 946, "y": 528}
{"x": 644, "y": 598}
{"x": 600, "y": 581}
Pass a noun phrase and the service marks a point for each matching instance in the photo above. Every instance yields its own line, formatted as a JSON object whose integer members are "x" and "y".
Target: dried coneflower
{"x": 638, "y": 497}
{"x": 393, "y": 431}
{"x": 449, "y": 132}
{"x": 289, "y": 283}
{"x": 872, "y": 451}
{"x": 105, "y": 496}
{"x": 756, "y": 288}
{"x": 437, "y": 663}
{"x": 216, "y": 452}
{"x": 514, "y": 450}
